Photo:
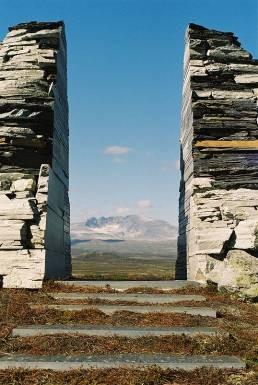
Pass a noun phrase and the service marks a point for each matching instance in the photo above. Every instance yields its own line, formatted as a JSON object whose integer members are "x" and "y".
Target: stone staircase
{"x": 108, "y": 302}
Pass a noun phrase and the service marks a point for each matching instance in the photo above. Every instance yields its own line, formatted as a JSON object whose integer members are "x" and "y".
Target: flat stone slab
{"x": 124, "y": 285}
{"x": 110, "y": 309}
{"x": 61, "y": 363}
{"x": 141, "y": 298}
{"x": 110, "y": 331}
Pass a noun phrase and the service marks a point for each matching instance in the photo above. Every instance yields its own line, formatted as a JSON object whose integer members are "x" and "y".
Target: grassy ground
{"x": 153, "y": 376}
{"x": 107, "y": 266}
{"x": 237, "y": 317}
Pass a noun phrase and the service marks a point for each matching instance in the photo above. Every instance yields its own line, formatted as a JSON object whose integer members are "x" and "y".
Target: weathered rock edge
{"x": 34, "y": 143}
{"x": 218, "y": 217}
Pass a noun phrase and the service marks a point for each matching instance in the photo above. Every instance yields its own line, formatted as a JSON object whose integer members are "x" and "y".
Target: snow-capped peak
{"x": 124, "y": 228}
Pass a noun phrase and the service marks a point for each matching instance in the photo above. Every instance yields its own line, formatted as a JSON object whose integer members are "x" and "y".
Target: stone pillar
{"x": 218, "y": 207}
{"x": 34, "y": 145}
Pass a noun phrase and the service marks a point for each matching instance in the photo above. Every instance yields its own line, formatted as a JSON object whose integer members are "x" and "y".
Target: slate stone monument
{"x": 218, "y": 219}
{"x": 34, "y": 146}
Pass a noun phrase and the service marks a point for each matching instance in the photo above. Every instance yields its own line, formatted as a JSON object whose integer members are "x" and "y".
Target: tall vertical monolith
{"x": 34, "y": 145}
{"x": 218, "y": 206}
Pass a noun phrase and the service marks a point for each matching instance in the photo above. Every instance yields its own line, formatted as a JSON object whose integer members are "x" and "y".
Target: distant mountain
{"x": 121, "y": 228}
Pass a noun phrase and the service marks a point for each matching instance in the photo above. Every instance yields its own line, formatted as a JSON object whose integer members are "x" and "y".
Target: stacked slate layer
{"x": 218, "y": 206}
{"x": 34, "y": 203}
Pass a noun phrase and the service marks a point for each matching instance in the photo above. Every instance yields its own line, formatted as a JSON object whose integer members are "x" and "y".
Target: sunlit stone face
{"x": 218, "y": 218}
{"x": 34, "y": 142}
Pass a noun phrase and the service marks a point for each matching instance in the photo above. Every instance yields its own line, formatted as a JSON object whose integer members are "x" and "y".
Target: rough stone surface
{"x": 109, "y": 331}
{"x": 110, "y": 309}
{"x": 218, "y": 221}
{"x": 34, "y": 220}
{"x": 164, "y": 361}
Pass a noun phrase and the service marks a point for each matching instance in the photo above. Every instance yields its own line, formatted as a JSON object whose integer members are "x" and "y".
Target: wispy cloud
{"x": 117, "y": 150}
{"x": 144, "y": 204}
{"x": 122, "y": 210}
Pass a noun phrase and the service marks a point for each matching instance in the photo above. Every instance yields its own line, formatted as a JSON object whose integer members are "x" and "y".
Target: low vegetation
{"x": 236, "y": 316}
{"x": 114, "y": 266}
{"x": 153, "y": 376}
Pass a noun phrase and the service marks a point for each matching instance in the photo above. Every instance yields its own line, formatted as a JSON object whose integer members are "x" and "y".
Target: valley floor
{"x": 123, "y": 266}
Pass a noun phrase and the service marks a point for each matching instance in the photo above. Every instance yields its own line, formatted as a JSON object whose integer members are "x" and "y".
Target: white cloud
{"x": 144, "y": 204}
{"x": 122, "y": 210}
{"x": 117, "y": 150}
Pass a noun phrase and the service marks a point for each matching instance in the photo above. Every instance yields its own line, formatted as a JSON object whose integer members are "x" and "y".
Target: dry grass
{"x": 78, "y": 344}
{"x": 48, "y": 299}
{"x": 152, "y": 376}
{"x": 236, "y": 316}
{"x": 58, "y": 287}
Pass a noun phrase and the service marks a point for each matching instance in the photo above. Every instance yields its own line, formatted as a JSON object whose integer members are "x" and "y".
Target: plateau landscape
{"x": 126, "y": 246}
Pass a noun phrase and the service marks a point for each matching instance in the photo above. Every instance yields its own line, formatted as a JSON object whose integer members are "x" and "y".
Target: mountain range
{"x": 123, "y": 228}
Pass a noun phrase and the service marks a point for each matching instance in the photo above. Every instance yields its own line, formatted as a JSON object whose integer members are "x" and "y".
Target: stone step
{"x": 124, "y": 285}
{"x": 110, "y": 331}
{"x": 110, "y": 309}
{"x": 141, "y": 298}
{"x": 164, "y": 361}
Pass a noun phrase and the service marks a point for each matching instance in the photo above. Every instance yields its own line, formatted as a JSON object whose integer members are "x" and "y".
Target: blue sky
{"x": 125, "y": 79}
